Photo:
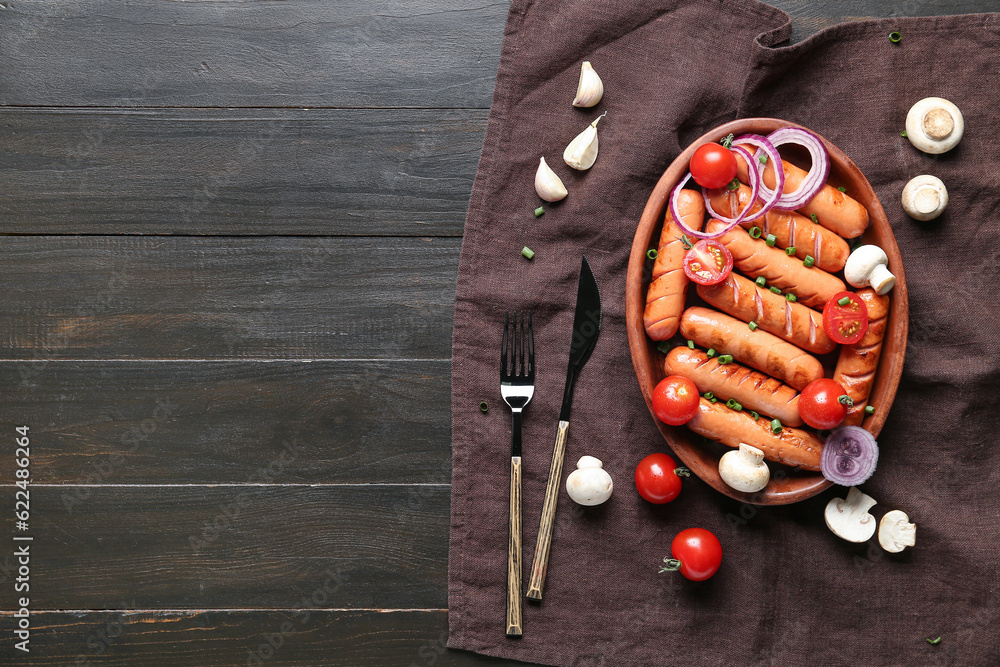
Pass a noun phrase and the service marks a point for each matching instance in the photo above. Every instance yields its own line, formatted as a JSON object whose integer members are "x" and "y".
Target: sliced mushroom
{"x": 895, "y": 532}
{"x": 849, "y": 518}
{"x": 925, "y": 197}
{"x": 934, "y": 125}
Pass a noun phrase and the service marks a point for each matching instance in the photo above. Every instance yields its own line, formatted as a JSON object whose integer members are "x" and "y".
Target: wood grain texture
{"x": 514, "y": 620}
{"x": 543, "y": 540}
{"x": 228, "y": 422}
{"x": 358, "y": 172}
{"x": 213, "y": 298}
{"x": 261, "y": 53}
{"x": 290, "y": 638}
{"x": 245, "y": 547}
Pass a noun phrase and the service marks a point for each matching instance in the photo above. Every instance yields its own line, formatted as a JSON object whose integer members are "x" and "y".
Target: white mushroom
{"x": 867, "y": 267}
{"x": 849, "y": 518}
{"x": 895, "y": 532}
{"x": 934, "y": 125}
{"x": 744, "y": 469}
{"x": 590, "y": 484}
{"x": 925, "y": 197}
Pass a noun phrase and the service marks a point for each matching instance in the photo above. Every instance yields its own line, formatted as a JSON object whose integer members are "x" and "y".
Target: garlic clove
{"x": 590, "y": 88}
{"x": 924, "y": 197}
{"x": 589, "y": 484}
{"x": 548, "y": 185}
{"x": 582, "y": 151}
{"x": 744, "y": 469}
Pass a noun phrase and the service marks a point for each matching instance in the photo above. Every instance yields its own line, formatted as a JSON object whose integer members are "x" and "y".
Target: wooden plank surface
{"x": 239, "y": 298}
{"x": 228, "y": 422}
{"x": 357, "y": 172}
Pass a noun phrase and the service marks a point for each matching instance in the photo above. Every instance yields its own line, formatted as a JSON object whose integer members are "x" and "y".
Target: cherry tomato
{"x": 656, "y": 479}
{"x": 845, "y": 324}
{"x": 708, "y": 262}
{"x": 819, "y": 404}
{"x": 713, "y": 166}
{"x": 699, "y": 553}
{"x": 675, "y": 400}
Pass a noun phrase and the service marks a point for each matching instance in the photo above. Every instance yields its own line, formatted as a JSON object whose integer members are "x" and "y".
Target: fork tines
{"x": 517, "y": 353}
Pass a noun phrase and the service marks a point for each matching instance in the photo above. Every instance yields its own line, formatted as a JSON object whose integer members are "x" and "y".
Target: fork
{"x": 517, "y": 386}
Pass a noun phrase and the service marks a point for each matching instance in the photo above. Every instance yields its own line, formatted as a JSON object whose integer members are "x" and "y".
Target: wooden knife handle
{"x": 514, "y": 551}
{"x": 540, "y": 565}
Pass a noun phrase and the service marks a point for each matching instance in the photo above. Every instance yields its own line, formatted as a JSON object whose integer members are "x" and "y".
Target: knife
{"x": 586, "y": 327}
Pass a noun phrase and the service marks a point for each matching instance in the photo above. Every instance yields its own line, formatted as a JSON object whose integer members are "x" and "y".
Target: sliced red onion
{"x": 849, "y": 457}
{"x": 818, "y": 172}
{"x": 674, "y": 197}
{"x": 769, "y": 197}
{"x": 754, "y": 190}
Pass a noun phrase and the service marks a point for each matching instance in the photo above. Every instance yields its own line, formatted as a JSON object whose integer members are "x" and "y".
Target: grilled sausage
{"x": 793, "y": 447}
{"x": 668, "y": 289}
{"x": 754, "y": 391}
{"x": 772, "y": 312}
{"x": 829, "y": 251}
{"x": 833, "y": 209}
{"x": 857, "y": 364}
{"x": 757, "y": 349}
{"x": 811, "y": 285}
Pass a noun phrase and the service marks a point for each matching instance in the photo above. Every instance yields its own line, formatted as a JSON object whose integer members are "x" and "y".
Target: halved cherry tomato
{"x": 697, "y": 554}
{"x": 845, "y": 324}
{"x": 713, "y": 166}
{"x": 708, "y": 262}
{"x": 820, "y": 406}
{"x": 656, "y": 479}
{"x": 675, "y": 400}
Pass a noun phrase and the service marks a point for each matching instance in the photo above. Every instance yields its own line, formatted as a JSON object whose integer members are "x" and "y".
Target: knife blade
{"x": 586, "y": 329}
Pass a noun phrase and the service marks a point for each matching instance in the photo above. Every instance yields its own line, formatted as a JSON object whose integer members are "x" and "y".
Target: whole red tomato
{"x": 675, "y": 400}
{"x": 820, "y": 406}
{"x": 697, "y": 554}
{"x": 657, "y": 480}
{"x": 713, "y": 166}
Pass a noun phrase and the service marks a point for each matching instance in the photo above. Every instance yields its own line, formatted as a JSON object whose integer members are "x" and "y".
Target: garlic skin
{"x": 582, "y": 151}
{"x": 548, "y": 185}
{"x": 589, "y": 484}
{"x": 744, "y": 469}
{"x": 590, "y": 88}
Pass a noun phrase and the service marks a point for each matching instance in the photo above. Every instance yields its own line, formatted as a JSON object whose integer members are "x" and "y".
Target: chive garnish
{"x": 934, "y": 642}
{"x": 540, "y": 210}
{"x": 812, "y": 216}
{"x": 903, "y": 134}
{"x": 725, "y": 359}
{"x": 774, "y": 289}
{"x": 791, "y": 297}
{"x": 755, "y": 232}
{"x": 790, "y": 250}
{"x": 869, "y": 409}
{"x": 842, "y": 188}
{"x": 709, "y": 395}
{"x": 752, "y": 325}
{"x": 733, "y": 405}
{"x": 691, "y": 344}
{"x": 527, "y": 252}
{"x": 651, "y": 253}
{"x": 711, "y": 352}
{"x": 663, "y": 346}
{"x": 895, "y": 36}
{"x": 771, "y": 240}
{"x": 733, "y": 184}
{"x": 808, "y": 261}
{"x": 754, "y": 415}
{"x": 760, "y": 281}
{"x": 844, "y": 301}
{"x": 484, "y": 407}
{"x": 763, "y": 159}
{"x": 776, "y": 426}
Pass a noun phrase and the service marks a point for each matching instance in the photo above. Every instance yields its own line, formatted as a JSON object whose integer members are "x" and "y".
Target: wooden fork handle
{"x": 540, "y": 564}
{"x": 514, "y": 551}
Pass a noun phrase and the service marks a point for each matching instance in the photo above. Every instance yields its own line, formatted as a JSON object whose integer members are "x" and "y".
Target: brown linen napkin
{"x": 789, "y": 592}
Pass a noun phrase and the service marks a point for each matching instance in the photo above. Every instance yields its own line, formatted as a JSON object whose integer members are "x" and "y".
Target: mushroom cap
{"x": 924, "y": 197}
{"x": 589, "y": 485}
{"x": 895, "y": 532}
{"x": 849, "y": 518}
{"x": 862, "y": 262}
{"x": 934, "y": 125}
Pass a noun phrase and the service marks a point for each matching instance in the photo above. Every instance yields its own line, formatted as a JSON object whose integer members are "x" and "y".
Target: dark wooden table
{"x": 232, "y": 233}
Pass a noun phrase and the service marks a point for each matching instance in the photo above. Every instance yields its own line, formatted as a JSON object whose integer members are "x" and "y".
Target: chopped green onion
{"x": 733, "y": 405}
{"x": 651, "y": 253}
{"x": 895, "y": 36}
{"x": 763, "y": 159}
{"x": 842, "y": 188}
{"x": 725, "y": 359}
{"x": 808, "y": 261}
{"x": 846, "y": 400}
{"x": 752, "y": 325}
{"x": 776, "y": 426}
{"x": 754, "y": 415}
{"x": 934, "y": 642}
{"x": 843, "y": 302}
{"x": 903, "y": 134}
{"x": 527, "y": 252}
{"x": 755, "y": 232}
{"x": 812, "y": 216}
{"x": 760, "y": 281}
{"x": 791, "y": 297}
{"x": 709, "y": 395}
{"x": 869, "y": 409}
{"x": 733, "y": 184}
{"x": 790, "y": 250}
{"x": 728, "y": 141}
{"x": 691, "y": 344}
{"x": 711, "y": 352}
{"x": 484, "y": 407}
{"x": 539, "y": 211}
{"x": 771, "y": 240}
{"x": 713, "y": 400}
{"x": 774, "y": 289}
{"x": 663, "y": 346}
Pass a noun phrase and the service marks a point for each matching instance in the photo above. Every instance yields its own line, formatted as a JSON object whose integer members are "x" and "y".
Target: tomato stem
{"x": 672, "y": 565}
{"x": 682, "y": 472}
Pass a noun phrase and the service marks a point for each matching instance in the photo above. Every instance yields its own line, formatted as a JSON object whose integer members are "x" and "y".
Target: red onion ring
{"x": 754, "y": 190}
{"x": 818, "y": 172}
{"x": 770, "y": 197}
{"x": 674, "y": 197}
{"x": 849, "y": 456}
